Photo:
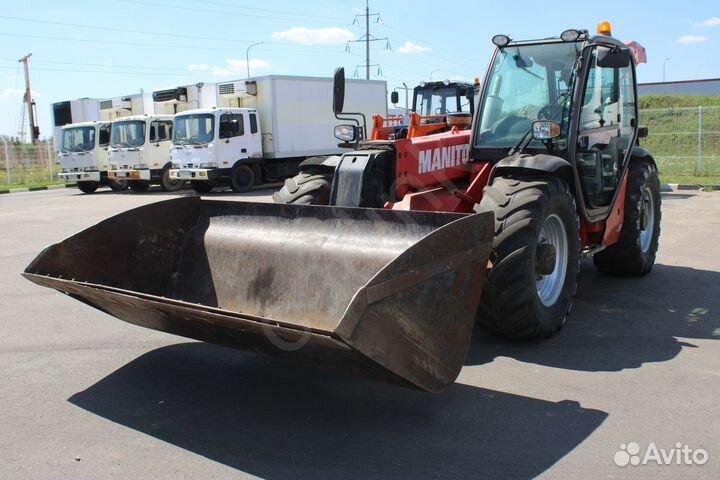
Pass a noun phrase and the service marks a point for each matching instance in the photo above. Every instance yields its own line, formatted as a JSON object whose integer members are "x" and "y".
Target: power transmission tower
{"x": 367, "y": 38}
{"x": 34, "y": 131}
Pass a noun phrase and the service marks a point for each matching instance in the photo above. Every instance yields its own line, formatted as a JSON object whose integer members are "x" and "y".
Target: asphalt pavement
{"x": 86, "y": 396}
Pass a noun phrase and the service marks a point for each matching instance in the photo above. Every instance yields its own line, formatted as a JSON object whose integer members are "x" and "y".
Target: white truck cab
{"x": 212, "y": 145}
{"x": 139, "y": 152}
{"x": 83, "y": 156}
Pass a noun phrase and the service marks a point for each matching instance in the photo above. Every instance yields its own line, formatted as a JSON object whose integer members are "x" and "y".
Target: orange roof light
{"x": 604, "y": 28}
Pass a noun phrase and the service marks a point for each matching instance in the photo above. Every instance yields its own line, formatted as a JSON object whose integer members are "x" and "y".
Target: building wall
{"x": 689, "y": 87}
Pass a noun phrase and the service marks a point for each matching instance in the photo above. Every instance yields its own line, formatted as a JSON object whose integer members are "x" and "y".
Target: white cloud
{"x": 198, "y": 67}
{"x": 9, "y": 93}
{"x": 315, "y": 36}
{"x": 235, "y": 66}
{"x": 691, "y": 39}
{"x": 410, "y": 47}
{"x": 709, "y": 22}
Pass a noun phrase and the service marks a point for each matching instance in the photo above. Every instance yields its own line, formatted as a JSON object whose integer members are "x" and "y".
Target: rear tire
{"x": 517, "y": 301}
{"x": 88, "y": 187}
{"x": 309, "y": 187}
{"x": 168, "y": 184}
{"x": 139, "y": 185}
{"x": 634, "y": 253}
{"x": 242, "y": 179}
{"x": 118, "y": 185}
{"x": 201, "y": 187}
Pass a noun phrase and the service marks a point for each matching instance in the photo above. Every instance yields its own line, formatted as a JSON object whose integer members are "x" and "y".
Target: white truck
{"x": 140, "y": 152}
{"x": 83, "y": 156}
{"x": 263, "y": 128}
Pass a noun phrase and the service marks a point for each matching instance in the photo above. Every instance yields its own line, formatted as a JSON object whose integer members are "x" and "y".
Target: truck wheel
{"x": 168, "y": 184}
{"x": 201, "y": 187}
{"x": 309, "y": 187}
{"x": 242, "y": 179}
{"x": 634, "y": 254}
{"x": 88, "y": 187}
{"x": 529, "y": 292}
{"x": 139, "y": 185}
{"x": 118, "y": 185}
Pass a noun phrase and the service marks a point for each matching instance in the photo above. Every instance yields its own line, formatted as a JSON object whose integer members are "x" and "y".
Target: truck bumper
{"x": 129, "y": 175}
{"x": 79, "y": 176}
{"x": 200, "y": 174}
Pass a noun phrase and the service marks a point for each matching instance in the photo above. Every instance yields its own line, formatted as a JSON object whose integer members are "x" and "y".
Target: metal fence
{"x": 685, "y": 142}
{"x": 23, "y": 164}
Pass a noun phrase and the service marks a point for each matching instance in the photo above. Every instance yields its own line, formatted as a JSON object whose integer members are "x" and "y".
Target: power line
{"x": 222, "y": 12}
{"x": 367, "y": 39}
{"x": 294, "y": 14}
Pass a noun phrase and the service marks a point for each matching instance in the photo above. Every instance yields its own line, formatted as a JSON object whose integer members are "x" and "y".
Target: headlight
{"x": 346, "y": 133}
{"x": 545, "y": 129}
{"x": 208, "y": 165}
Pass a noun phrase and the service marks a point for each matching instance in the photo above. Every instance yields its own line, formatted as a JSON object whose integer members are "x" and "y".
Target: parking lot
{"x": 87, "y": 396}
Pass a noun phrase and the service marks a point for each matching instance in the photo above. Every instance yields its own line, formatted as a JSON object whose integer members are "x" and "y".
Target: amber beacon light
{"x": 604, "y": 28}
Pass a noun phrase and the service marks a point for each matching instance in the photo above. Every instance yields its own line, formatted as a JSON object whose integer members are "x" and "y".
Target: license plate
{"x": 121, "y": 174}
{"x": 184, "y": 174}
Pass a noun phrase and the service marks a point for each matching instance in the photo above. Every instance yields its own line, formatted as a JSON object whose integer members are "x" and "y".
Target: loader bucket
{"x": 389, "y": 294}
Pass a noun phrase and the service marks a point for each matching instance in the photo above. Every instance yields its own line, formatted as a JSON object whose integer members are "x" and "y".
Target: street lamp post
{"x": 664, "y": 62}
{"x": 431, "y": 73}
{"x": 247, "y": 57}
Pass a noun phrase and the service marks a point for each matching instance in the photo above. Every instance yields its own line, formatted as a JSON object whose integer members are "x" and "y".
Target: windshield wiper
{"x": 522, "y": 65}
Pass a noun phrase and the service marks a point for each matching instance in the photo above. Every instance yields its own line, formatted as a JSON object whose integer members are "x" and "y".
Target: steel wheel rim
{"x": 550, "y": 286}
{"x": 647, "y": 217}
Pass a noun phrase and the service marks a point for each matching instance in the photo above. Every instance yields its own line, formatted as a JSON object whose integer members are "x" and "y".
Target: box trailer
{"x": 74, "y": 111}
{"x": 170, "y": 101}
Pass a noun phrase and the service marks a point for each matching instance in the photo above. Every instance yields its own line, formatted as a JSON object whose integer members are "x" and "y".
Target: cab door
{"x": 158, "y": 150}
{"x": 233, "y": 142}
{"x": 606, "y": 130}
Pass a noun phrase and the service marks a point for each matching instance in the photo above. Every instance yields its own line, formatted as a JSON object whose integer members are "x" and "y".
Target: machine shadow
{"x": 619, "y": 323}
{"x": 275, "y": 419}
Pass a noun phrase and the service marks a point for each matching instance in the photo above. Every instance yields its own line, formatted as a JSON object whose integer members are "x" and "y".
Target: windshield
{"x": 195, "y": 129}
{"x": 527, "y": 83}
{"x": 78, "y": 139}
{"x": 128, "y": 134}
{"x": 438, "y": 101}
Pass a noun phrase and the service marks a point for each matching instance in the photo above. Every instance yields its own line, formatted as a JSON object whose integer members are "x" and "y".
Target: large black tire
{"x": 309, "y": 187}
{"x": 517, "y": 300}
{"x": 88, "y": 187}
{"x": 201, "y": 186}
{"x": 634, "y": 254}
{"x": 118, "y": 185}
{"x": 139, "y": 185}
{"x": 168, "y": 184}
{"x": 242, "y": 179}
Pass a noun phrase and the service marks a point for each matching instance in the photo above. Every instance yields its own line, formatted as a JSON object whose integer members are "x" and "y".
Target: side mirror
{"x": 545, "y": 130}
{"x": 642, "y": 132}
{"x": 339, "y": 90}
{"x": 394, "y": 97}
{"x": 613, "y": 57}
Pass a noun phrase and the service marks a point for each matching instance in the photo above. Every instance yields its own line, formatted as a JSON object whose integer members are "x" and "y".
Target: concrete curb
{"x": 675, "y": 187}
{"x": 38, "y": 189}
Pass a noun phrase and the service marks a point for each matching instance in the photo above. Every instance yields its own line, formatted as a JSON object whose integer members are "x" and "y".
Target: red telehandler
{"x": 390, "y": 278}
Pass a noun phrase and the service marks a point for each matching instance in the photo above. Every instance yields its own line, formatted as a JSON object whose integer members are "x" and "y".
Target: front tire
{"x": 88, "y": 187}
{"x": 201, "y": 186}
{"x": 634, "y": 253}
{"x": 139, "y": 185}
{"x": 309, "y": 187}
{"x": 118, "y": 185}
{"x": 168, "y": 184}
{"x": 529, "y": 292}
{"x": 242, "y": 179}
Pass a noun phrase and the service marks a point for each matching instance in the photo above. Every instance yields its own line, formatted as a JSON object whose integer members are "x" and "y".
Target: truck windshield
{"x": 527, "y": 83}
{"x": 438, "y": 101}
{"x": 196, "y": 129}
{"x": 128, "y": 134}
{"x": 78, "y": 139}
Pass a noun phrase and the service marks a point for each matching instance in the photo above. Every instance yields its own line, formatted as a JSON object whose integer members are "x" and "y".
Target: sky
{"x": 118, "y": 47}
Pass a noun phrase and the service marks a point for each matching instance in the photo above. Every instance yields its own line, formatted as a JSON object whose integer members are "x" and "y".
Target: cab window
{"x": 231, "y": 125}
